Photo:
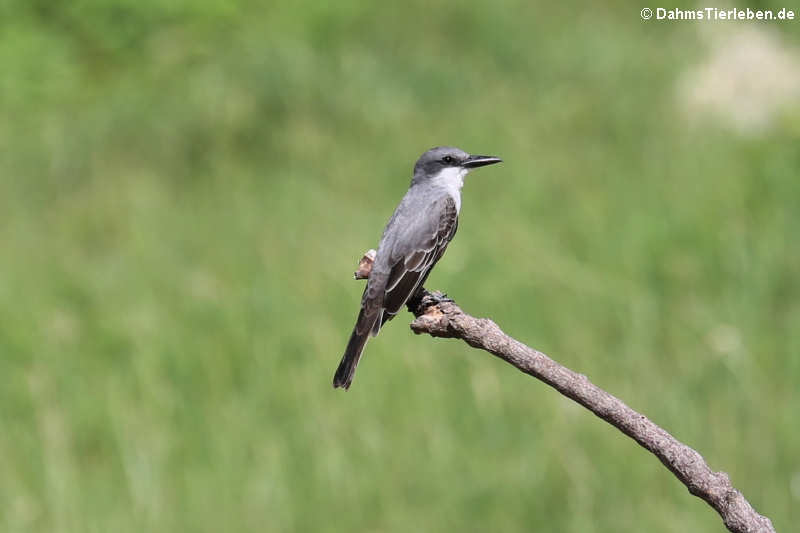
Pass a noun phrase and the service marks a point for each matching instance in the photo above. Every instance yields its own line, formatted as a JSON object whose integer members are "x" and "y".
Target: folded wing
{"x": 413, "y": 257}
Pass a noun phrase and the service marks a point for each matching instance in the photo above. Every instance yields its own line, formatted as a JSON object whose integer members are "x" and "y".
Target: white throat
{"x": 451, "y": 179}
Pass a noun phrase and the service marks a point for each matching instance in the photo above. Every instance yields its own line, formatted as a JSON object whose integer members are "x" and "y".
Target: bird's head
{"x": 450, "y": 160}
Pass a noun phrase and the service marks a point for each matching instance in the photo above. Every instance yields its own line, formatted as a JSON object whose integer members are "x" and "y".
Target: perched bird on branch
{"x": 415, "y": 238}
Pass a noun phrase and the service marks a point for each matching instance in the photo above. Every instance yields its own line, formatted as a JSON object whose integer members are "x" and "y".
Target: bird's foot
{"x": 438, "y": 297}
{"x": 424, "y": 299}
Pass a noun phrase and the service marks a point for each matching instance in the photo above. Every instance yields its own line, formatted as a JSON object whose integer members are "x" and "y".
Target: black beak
{"x": 475, "y": 161}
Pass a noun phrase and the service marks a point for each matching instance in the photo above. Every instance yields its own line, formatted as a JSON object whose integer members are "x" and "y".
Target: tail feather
{"x": 376, "y": 327}
{"x": 352, "y": 354}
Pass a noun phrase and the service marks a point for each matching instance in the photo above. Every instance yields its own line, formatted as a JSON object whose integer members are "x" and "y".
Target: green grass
{"x": 185, "y": 189}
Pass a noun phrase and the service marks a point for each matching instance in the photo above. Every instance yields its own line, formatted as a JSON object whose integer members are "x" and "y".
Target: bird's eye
{"x": 447, "y": 159}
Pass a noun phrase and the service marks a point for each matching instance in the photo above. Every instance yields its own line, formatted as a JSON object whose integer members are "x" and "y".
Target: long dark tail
{"x": 352, "y": 354}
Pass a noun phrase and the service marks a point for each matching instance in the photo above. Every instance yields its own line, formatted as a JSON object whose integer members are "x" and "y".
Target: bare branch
{"x": 365, "y": 265}
{"x": 439, "y": 316}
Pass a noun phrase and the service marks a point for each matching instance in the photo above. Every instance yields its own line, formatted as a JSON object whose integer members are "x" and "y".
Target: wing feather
{"x": 414, "y": 261}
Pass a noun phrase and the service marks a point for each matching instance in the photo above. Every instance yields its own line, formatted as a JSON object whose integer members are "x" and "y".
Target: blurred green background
{"x": 186, "y": 188}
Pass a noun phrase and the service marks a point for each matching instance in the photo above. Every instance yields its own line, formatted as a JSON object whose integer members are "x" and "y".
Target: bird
{"x": 415, "y": 238}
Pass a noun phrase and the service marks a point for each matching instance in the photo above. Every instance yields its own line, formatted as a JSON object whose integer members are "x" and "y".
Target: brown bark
{"x": 443, "y": 318}
{"x": 439, "y": 316}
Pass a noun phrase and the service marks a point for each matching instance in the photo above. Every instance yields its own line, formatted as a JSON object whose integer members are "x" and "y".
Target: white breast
{"x": 451, "y": 179}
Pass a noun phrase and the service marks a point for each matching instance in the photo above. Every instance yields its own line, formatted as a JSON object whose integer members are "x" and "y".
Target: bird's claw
{"x": 440, "y": 297}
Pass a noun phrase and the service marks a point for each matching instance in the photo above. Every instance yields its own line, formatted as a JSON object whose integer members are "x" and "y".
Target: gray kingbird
{"x": 414, "y": 240}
